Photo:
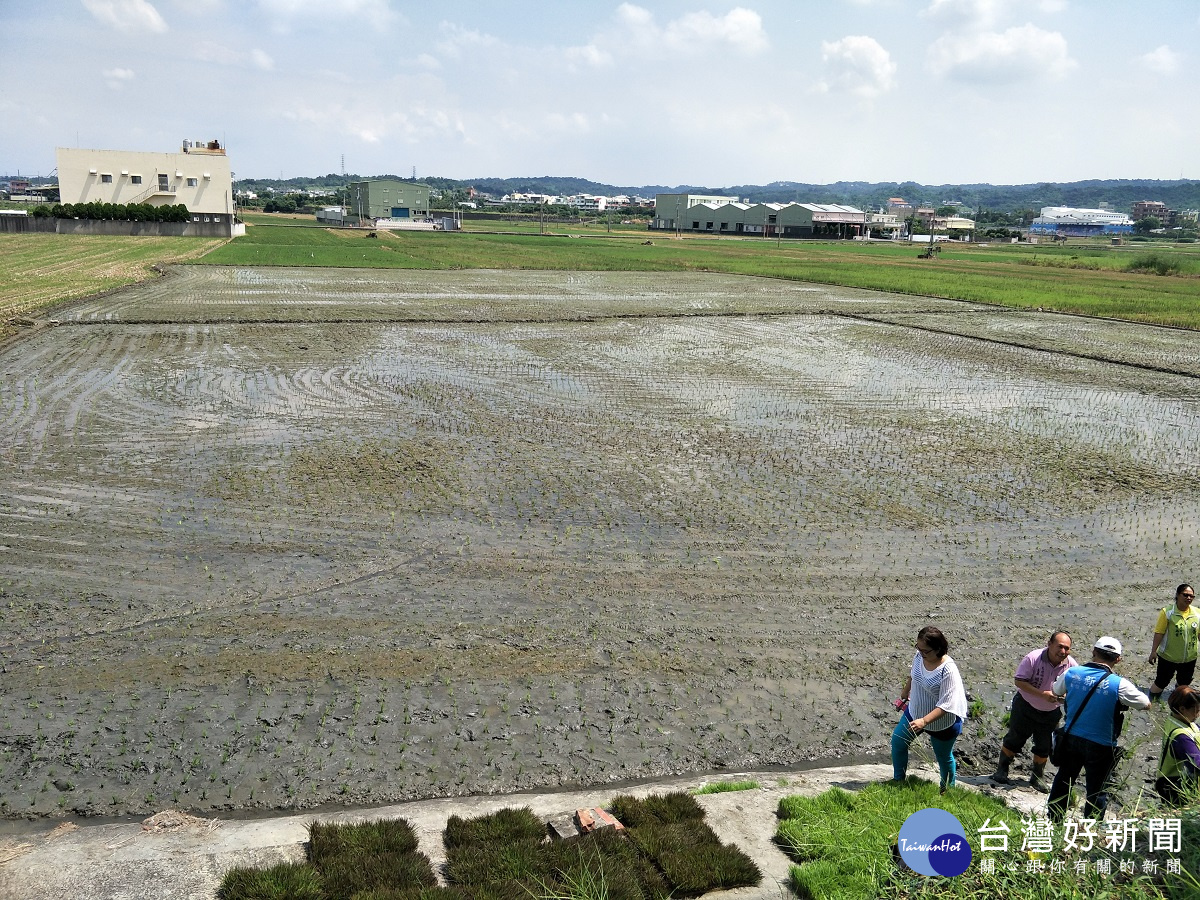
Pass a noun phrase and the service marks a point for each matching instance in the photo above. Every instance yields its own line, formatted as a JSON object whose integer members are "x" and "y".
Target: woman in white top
{"x": 934, "y": 702}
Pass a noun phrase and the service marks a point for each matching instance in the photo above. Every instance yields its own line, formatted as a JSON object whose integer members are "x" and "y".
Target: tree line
{"x": 1018, "y": 200}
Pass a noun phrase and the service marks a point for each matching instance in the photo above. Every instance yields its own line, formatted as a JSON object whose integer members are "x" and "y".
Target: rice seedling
{"x": 286, "y": 881}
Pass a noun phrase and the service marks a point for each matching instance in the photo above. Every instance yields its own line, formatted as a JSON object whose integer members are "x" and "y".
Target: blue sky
{"x": 709, "y": 93}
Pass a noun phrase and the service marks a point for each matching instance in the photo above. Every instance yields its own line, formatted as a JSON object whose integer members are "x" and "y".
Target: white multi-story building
{"x": 198, "y": 176}
{"x": 588, "y": 202}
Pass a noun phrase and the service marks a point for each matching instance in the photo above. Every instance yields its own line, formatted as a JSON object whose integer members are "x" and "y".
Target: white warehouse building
{"x": 198, "y": 177}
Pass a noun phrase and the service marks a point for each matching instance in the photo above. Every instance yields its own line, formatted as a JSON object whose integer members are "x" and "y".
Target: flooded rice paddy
{"x": 283, "y": 538}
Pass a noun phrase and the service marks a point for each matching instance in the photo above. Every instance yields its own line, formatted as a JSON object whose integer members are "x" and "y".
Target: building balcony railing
{"x": 153, "y": 190}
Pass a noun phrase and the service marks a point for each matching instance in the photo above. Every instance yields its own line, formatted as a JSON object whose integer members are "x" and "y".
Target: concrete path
{"x": 184, "y": 858}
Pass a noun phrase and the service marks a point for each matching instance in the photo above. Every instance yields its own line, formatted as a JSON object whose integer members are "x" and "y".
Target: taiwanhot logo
{"x": 933, "y": 842}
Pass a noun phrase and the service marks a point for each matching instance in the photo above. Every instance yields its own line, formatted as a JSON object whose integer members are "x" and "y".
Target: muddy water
{"x": 280, "y": 538}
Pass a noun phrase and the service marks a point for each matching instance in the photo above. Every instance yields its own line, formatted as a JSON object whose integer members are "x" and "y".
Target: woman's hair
{"x": 1183, "y": 587}
{"x": 935, "y": 639}
{"x": 1184, "y": 699}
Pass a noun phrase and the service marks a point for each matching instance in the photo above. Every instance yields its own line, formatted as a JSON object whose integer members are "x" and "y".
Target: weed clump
{"x": 1154, "y": 263}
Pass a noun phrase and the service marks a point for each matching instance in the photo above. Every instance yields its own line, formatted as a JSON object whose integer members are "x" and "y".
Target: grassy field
{"x": 39, "y": 270}
{"x": 1093, "y": 280}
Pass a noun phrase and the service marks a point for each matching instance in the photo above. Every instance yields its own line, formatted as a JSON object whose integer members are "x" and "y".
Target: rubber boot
{"x": 1037, "y": 780}
{"x": 1000, "y": 776}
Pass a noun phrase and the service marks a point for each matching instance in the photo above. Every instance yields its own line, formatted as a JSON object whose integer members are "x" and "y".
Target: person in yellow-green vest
{"x": 1179, "y": 764}
{"x": 1176, "y": 640}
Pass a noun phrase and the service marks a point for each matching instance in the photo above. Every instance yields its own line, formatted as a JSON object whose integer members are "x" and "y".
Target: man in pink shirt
{"x": 1036, "y": 709}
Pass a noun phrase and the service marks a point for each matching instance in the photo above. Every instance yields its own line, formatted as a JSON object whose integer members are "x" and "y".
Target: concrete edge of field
{"x": 188, "y": 859}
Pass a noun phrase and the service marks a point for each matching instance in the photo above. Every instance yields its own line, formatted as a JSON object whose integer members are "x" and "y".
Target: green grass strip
{"x": 842, "y": 845}
{"x": 722, "y": 787}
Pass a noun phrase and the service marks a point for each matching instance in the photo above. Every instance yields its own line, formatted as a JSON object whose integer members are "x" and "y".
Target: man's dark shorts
{"x": 1182, "y": 672}
{"x": 1026, "y": 721}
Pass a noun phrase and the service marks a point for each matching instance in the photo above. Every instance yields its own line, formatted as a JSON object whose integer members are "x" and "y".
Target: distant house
{"x": 198, "y": 176}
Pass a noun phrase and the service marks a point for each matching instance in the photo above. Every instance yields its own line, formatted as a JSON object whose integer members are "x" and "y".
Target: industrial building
{"x": 670, "y": 209}
{"x": 1067, "y": 221}
{"x": 727, "y": 215}
{"x": 198, "y": 176}
{"x": 369, "y": 202}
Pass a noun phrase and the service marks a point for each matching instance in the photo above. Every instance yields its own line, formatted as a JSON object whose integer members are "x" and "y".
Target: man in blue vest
{"x": 1093, "y": 721}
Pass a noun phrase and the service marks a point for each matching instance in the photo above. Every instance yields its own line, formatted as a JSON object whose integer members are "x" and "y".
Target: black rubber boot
{"x": 1000, "y": 776}
{"x": 1037, "y": 780}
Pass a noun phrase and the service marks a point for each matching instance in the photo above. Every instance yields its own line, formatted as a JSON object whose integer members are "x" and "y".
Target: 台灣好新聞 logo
{"x": 933, "y": 842}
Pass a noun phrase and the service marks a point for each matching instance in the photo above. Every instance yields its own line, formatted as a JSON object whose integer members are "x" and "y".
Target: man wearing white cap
{"x": 1096, "y": 700}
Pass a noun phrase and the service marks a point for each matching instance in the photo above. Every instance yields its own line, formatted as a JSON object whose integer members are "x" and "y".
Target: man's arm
{"x": 1128, "y": 694}
{"x": 1028, "y": 687}
{"x": 1060, "y": 686}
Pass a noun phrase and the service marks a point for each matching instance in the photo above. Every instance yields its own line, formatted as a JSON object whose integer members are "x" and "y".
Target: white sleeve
{"x": 1128, "y": 694}
{"x": 1060, "y": 686}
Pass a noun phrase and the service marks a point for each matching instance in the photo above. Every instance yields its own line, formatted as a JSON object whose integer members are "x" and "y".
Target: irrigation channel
{"x": 290, "y": 537}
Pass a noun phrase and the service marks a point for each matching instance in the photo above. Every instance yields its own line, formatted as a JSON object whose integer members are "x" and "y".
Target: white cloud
{"x": 212, "y": 52}
{"x": 857, "y": 64}
{"x": 1016, "y": 54}
{"x": 117, "y": 78}
{"x": 637, "y": 31}
{"x": 127, "y": 15}
{"x": 414, "y": 125}
{"x": 964, "y": 13}
{"x": 199, "y": 8}
{"x": 456, "y": 39}
{"x": 739, "y": 28}
{"x": 568, "y": 123}
{"x": 983, "y": 14}
{"x": 1162, "y": 60}
{"x": 589, "y": 55}
{"x": 379, "y": 14}
{"x": 208, "y": 51}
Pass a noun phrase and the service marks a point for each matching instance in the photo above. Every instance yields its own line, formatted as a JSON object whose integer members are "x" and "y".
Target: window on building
{"x": 106, "y": 179}
{"x": 724, "y": 226}
{"x": 708, "y": 226}
{"x": 191, "y": 182}
{"x": 696, "y": 226}
{"x": 771, "y": 219}
{"x": 135, "y": 179}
